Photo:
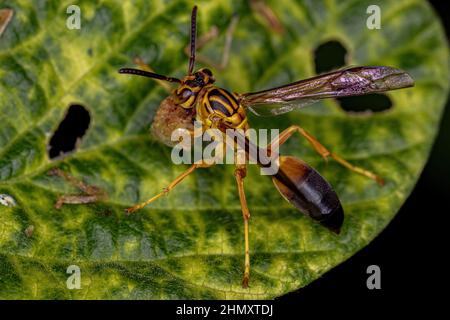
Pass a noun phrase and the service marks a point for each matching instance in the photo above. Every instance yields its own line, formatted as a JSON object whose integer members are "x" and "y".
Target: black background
{"x": 411, "y": 252}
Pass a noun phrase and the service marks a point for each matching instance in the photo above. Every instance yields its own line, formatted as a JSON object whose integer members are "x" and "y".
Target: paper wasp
{"x": 196, "y": 97}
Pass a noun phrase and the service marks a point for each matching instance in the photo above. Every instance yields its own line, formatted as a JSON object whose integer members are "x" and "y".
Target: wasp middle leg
{"x": 325, "y": 153}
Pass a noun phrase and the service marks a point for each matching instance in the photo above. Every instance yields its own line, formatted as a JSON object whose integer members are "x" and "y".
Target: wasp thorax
{"x": 191, "y": 85}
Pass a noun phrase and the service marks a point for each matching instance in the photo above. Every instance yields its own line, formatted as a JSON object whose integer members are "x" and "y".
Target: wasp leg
{"x": 90, "y": 193}
{"x": 240, "y": 174}
{"x": 212, "y": 34}
{"x": 320, "y": 149}
{"x": 146, "y": 67}
{"x": 168, "y": 188}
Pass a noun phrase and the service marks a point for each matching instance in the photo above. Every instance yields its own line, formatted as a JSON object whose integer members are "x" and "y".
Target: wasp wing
{"x": 353, "y": 81}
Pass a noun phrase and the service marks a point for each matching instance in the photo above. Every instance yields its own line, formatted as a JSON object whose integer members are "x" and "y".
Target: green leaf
{"x": 190, "y": 243}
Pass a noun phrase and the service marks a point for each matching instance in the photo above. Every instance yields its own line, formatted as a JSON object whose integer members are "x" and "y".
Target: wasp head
{"x": 191, "y": 85}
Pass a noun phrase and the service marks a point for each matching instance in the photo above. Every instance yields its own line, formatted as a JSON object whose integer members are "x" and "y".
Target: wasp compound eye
{"x": 186, "y": 94}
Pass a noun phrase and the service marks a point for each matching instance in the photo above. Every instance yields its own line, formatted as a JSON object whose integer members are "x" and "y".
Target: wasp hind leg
{"x": 240, "y": 172}
{"x": 168, "y": 188}
{"x": 325, "y": 153}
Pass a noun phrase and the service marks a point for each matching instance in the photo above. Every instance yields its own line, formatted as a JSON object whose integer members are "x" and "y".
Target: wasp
{"x": 197, "y": 98}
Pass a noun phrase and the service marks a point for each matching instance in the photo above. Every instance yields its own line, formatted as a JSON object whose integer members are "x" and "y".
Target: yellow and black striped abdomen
{"x": 220, "y": 104}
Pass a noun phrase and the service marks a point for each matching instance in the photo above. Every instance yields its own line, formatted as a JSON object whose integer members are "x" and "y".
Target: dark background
{"x": 411, "y": 251}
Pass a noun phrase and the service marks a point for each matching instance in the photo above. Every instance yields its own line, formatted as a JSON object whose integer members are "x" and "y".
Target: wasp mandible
{"x": 197, "y": 98}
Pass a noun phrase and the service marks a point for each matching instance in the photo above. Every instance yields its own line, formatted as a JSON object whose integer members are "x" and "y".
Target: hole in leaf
{"x": 329, "y": 56}
{"x": 71, "y": 129}
{"x": 374, "y": 102}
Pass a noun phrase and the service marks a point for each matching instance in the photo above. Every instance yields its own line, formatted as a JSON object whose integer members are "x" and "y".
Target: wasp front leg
{"x": 240, "y": 172}
{"x": 325, "y": 153}
{"x": 171, "y": 185}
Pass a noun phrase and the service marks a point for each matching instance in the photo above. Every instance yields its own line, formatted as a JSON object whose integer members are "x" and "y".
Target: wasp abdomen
{"x": 309, "y": 192}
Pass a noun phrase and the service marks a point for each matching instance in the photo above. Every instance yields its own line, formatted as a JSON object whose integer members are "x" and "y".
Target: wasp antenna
{"x": 147, "y": 74}
{"x": 193, "y": 39}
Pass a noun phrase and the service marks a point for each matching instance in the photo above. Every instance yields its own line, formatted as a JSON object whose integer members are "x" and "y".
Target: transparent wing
{"x": 353, "y": 81}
